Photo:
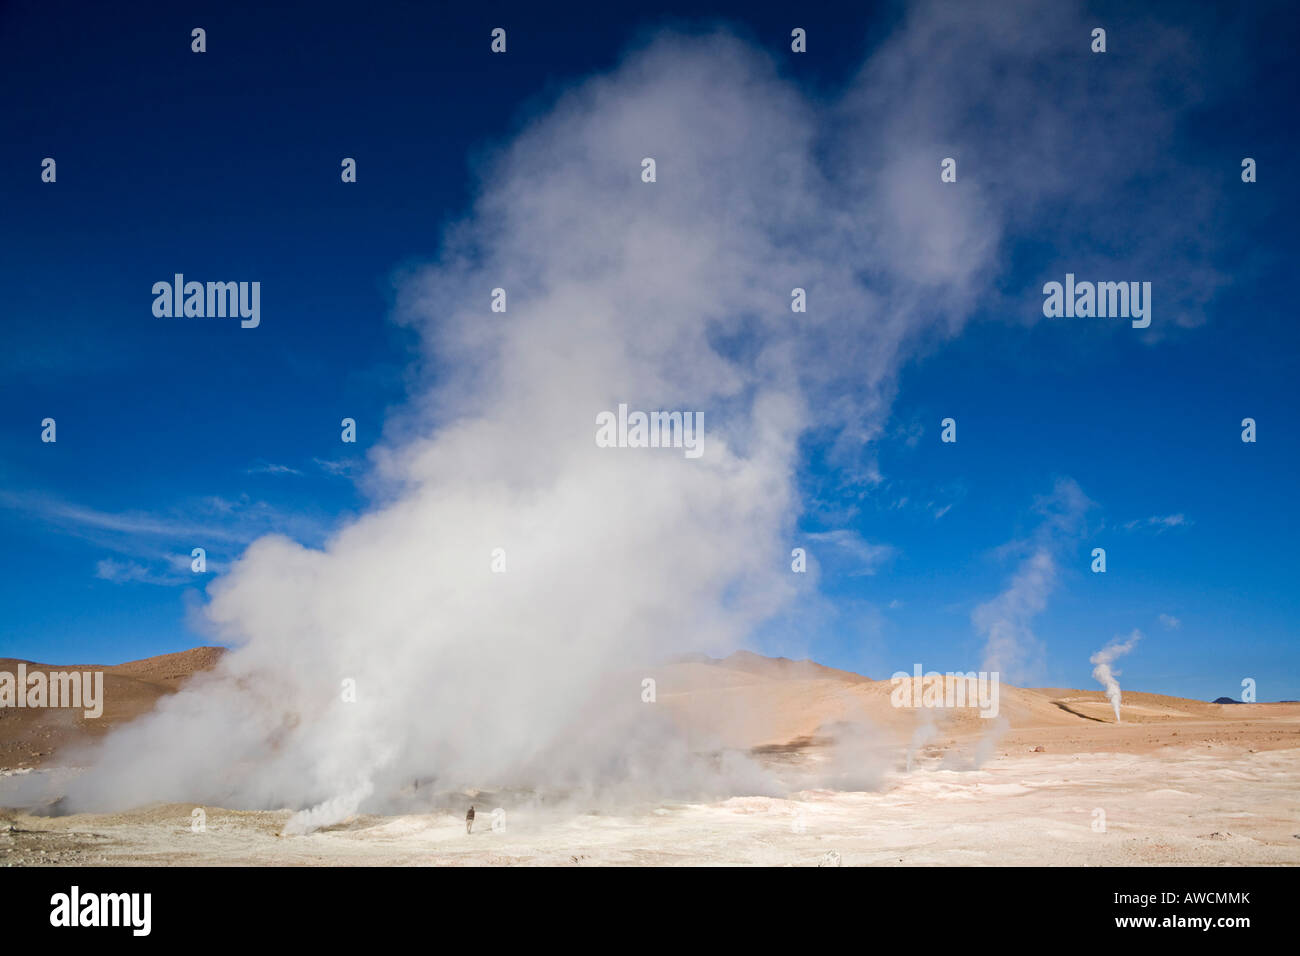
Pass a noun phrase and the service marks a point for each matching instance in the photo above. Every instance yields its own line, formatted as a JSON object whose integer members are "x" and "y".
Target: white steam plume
{"x": 1103, "y": 672}
{"x": 671, "y": 295}
{"x": 1010, "y": 647}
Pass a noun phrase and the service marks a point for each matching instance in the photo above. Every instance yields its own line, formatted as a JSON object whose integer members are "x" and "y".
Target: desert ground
{"x": 1054, "y": 781}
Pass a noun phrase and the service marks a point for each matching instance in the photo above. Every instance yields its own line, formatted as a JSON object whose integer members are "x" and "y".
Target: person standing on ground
{"x": 469, "y": 820}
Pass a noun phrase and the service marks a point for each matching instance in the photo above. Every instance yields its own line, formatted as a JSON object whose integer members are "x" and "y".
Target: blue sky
{"x": 225, "y": 165}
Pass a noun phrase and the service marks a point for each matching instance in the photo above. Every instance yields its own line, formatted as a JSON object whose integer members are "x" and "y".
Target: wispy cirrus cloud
{"x": 155, "y": 547}
{"x": 866, "y": 557}
{"x": 271, "y": 468}
{"x": 341, "y": 467}
{"x": 1158, "y": 522}
{"x": 90, "y": 522}
{"x": 133, "y": 572}
{"x": 904, "y": 496}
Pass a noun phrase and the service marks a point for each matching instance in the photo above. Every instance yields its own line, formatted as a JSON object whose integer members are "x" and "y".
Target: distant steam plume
{"x": 1010, "y": 646}
{"x": 1105, "y": 674}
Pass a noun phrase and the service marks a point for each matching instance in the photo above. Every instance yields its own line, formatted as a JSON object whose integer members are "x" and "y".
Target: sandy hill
{"x": 771, "y": 703}
{"x": 781, "y": 668}
{"x": 749, "y": 701}
{"x": 29, "y": 737}
{"x": 171, "y": 670}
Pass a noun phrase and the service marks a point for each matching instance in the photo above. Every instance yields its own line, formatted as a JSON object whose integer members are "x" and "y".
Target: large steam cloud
{"x": 672, "y": 295}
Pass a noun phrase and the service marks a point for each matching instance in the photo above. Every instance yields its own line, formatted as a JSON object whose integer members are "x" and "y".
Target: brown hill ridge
{"x": 29, "y": 738}
{"x": 748, "y": 701}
